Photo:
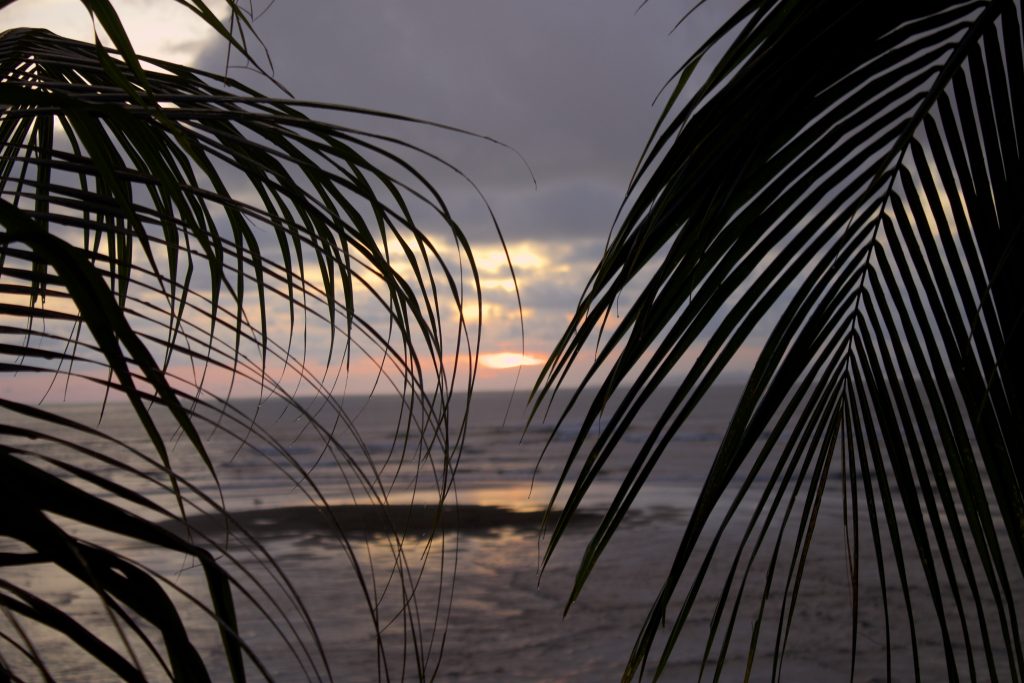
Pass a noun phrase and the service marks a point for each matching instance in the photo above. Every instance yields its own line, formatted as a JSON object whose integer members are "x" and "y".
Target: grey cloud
{"x": 567, "y": 209}
{"x": 567, "y": 84}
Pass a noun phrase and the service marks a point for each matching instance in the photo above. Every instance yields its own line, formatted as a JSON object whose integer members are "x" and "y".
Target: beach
{"x": 458, "y": 594}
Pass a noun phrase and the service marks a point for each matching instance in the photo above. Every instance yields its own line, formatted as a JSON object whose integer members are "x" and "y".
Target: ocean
{"x": 363, "y": 596}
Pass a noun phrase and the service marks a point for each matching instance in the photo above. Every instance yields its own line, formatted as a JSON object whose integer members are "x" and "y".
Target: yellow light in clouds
{"x": 525, "y": 256}
{"x": 165, "y": 30}
{"x": 506, "y": 359}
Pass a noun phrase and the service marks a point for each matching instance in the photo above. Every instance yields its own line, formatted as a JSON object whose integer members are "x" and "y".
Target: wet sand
{"x": 502, "y": 621}
{"x": 268, "y": 523}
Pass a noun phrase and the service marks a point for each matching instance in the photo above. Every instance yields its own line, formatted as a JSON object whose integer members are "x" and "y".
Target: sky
{"x": 569, "y": 86}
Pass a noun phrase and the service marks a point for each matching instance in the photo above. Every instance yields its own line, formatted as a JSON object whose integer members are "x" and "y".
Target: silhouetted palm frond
{"x": 849, "y": 178}
{"x": 162, "y": 229}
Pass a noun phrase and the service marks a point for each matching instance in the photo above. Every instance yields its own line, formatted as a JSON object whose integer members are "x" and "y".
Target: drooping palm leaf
{"x": 154, "y": 218}
{"x": 848, "y": 177}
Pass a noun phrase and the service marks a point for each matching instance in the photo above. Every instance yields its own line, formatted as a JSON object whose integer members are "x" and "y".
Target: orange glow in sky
{"x": 507, "y": 359}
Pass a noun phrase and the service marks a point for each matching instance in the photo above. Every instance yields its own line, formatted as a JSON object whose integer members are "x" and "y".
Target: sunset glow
{"x": 506, "y": 359}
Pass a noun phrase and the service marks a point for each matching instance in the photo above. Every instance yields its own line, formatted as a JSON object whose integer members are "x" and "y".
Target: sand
{"x": 501, "y": 621}
{"x": 373, "y": 520}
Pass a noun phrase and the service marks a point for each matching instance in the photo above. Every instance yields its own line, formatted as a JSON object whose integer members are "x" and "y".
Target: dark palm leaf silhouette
{"x": 849, "y": 177}
{"x": 155, "y": 221}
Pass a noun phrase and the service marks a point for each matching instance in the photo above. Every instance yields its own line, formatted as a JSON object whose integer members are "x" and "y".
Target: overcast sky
{"x": 569, "y": 84}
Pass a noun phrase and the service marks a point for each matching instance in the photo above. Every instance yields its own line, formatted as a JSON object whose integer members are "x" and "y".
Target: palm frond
{"x": 847, "y": 178}
{"x": 160, "y": 226}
